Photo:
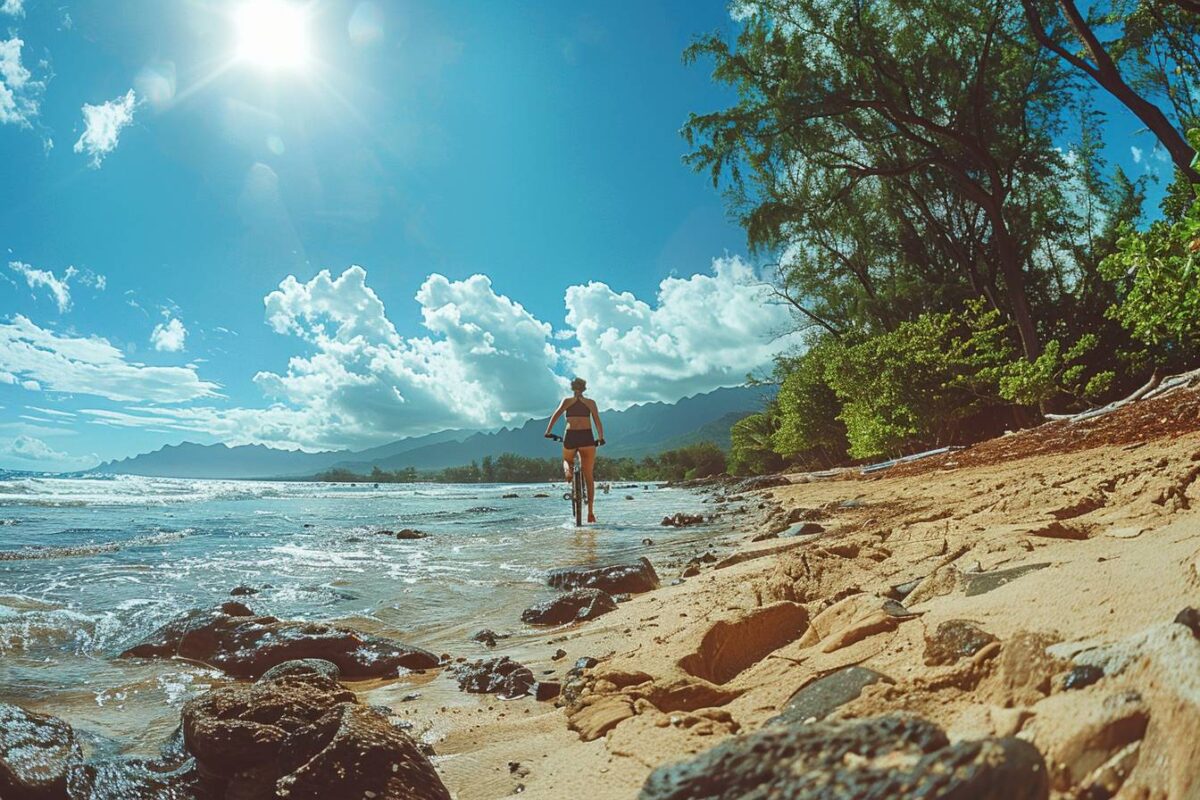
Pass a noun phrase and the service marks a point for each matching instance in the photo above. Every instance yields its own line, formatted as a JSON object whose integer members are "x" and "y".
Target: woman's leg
{"x": 568, "y": 460}
{"x": 587, "y": 459}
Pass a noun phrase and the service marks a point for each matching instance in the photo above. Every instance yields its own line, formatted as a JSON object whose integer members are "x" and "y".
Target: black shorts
{"x": 579, "y": 438}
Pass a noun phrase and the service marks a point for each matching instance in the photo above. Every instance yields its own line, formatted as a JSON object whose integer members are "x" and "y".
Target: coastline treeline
{"x": 701, "y": 460}
{"x": 931, "y": 183}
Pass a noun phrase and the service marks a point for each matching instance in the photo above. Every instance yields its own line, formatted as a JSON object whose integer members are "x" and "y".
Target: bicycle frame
{"x": 578, "y": 493}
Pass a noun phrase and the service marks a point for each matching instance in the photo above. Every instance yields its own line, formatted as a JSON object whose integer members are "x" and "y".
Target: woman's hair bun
{"x": 578, "y": 384}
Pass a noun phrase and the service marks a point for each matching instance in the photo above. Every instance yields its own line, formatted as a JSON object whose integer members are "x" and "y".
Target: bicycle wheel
{"x": 577, "y": 496}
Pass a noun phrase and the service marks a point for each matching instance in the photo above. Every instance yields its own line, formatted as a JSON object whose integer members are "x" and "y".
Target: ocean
{"x": 90, "y": 566}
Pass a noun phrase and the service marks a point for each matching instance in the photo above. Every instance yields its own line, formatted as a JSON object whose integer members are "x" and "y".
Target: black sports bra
{"x": 578, "y": 409}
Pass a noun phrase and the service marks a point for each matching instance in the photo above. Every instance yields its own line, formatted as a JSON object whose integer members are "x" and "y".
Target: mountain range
{"x": 636, "y": 431}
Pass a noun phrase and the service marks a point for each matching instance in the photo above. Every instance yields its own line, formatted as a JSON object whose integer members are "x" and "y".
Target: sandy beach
{"x": 1046, "y": 556}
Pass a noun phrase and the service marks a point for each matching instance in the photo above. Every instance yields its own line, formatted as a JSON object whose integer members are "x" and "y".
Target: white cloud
{"x": 102, "y": 126}
{"x": 59, "y": 288}
{"x": 15, "y": 8}
{"x": 91, "y": 366}
{"x": 1137, "y": 153}
{"x": 489, "y": 363}
{"x": 484, "y": 360}
{"x": 29, "y": 452}
{"x": 43, "y": 278}
{"x": 19, "y": 92}
{"x": 169, "y": 337}
{"x": 703, "y": 332}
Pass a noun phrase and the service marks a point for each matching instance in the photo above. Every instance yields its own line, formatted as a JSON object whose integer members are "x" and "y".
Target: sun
{"x": 273, "y": 34}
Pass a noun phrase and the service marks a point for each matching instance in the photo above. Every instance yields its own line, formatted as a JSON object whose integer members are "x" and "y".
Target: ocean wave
{"x": 95, "y": 548}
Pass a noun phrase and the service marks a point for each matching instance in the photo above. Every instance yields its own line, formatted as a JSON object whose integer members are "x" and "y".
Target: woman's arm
{"x": 558, "y": 413}
{"x": 596, "y": 416}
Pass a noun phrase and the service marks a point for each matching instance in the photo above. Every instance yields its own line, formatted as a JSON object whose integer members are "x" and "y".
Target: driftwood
{"x": 1157, "y": 386}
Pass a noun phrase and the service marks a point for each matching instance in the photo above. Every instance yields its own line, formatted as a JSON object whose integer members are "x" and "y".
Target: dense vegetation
{"x": 694, "y": 461}
{"x": 930, "y": 182}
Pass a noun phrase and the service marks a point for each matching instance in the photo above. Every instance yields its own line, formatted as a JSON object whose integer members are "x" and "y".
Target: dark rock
{"x": 903, "y": 590}
{"x": 509, "y": 496}
{"x": 140, "y": 778}
{"x": 302, "y": 666}
{"x": 36, "y": 753}
{"x": 547, "y": 690}
{"x": 955, "y": 639}
{"x": 575, "y": 606}
{"x": 809, "y": 529}
{"x": 587, "y": 662}
{"x": 984, "y": 582}
{"x": 823, "y": 696}
{"x": 501, "y": 676}
{"x": 1190, "y": 619}
{"x": 243, "y": 726}
{"x": 559, "y": 654}
{"x": 647, "y": 541}
{"x": 1082, "y": 676}
{"x": 242, "y": 591}
{"x": 541, "y": 494}
{"x": 763, "y": 482}
{"x": 615, "y": 578}
{"x": 246, "y": 646}
{"x": 410, "y": 533}
{"x": 883, "y": 757}
{"x": 354, "y": 751}
{"x": 690, "y": 571}
{"x": 235, "y": 609}
{"x": 487, "y": 637}
{"x": 762, "y": 537}
{"x": 628, "y": 497}
{"x": 682, "y": 520}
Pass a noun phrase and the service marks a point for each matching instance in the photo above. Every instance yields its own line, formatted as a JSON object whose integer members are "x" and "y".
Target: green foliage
{"x": 809, "y": 428}
{"x": 752, "y": 450}
{"x": 701, "y": 460}
{"x": 1157, "y": 273}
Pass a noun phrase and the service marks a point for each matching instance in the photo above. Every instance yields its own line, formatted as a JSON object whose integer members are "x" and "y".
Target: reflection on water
{"x": 90, "y": 566}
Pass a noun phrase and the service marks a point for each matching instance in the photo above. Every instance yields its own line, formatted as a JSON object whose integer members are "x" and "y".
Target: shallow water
{"x": 88, "y": 567}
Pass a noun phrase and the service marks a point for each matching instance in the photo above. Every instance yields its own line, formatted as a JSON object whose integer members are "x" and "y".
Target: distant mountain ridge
{"x": 634, "y": 432}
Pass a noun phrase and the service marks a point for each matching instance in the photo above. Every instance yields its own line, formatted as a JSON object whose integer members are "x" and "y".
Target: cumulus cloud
{"x": 45, "y": 279}
{"x": 488, "y": 360}
{"x": 703, "y": 332}
{"x": 1137, "y": 153}
{"x": 169, "y": 336}
{"x": 19, "y": 92}
{"x": 30, "y": 452}
{"x": 482, "y": 360}
{"x": 43, "y": 359}
{"x": 102, "y": 126}
{"x": 15, "y": 8}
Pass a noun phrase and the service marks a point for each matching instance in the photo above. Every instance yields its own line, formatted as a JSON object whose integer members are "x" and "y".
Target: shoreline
{"x": 1012, "y": 577}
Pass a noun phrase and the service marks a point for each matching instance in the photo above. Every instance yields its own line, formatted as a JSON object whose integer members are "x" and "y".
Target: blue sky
{"x": 506, "y": 178}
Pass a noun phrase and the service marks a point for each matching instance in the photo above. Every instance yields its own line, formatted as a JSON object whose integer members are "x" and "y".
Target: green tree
{"x": 914, "y": 100}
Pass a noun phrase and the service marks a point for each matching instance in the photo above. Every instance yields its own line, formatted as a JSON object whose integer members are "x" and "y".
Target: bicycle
{"x": 578, "y": 493}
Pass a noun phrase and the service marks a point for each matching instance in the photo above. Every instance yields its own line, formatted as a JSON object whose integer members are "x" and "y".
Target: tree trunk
{"x": 1014, "y": 284}
{"x": 1106, "y": 73}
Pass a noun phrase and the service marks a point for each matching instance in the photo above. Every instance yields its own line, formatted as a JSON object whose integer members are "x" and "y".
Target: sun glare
{"x": 273, "y": 34}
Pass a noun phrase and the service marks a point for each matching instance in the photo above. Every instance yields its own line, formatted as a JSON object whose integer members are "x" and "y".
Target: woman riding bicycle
{"x": 579, "y": 411}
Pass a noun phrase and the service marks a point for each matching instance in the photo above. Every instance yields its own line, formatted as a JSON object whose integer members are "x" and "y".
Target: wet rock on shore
{"x": 234, "y": 639}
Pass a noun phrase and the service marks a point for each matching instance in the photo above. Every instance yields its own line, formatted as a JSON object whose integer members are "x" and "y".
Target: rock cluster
{"x": 575, "y": 606}
{"x": 614, "y": 579}
{"x": 890, "y": 756}
{"x": 234, "y": 639}
{"x": 501, "y": 676}
{"x": 295, "y": 733}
